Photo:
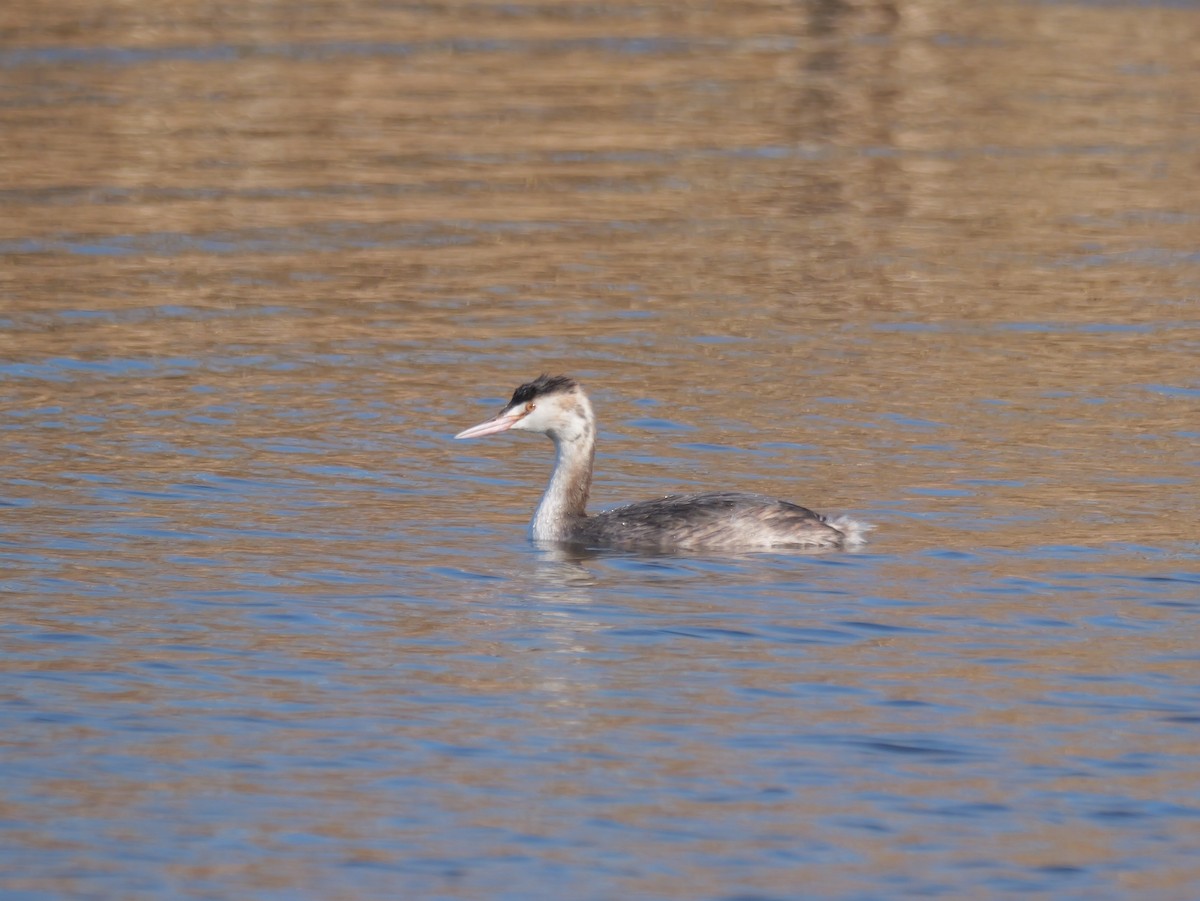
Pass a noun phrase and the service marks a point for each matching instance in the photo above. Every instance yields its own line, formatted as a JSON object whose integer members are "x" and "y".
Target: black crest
{"x": 540, "y": 387}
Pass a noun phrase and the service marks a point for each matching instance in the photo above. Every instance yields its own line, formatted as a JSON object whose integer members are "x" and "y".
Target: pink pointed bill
{"x": 501, "y": 423}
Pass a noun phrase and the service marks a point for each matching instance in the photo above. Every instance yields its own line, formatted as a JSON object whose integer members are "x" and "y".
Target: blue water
{"x": 295, "y": 664}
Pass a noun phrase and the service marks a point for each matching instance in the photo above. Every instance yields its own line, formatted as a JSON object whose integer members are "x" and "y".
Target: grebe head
{"x": 552, "y": 405}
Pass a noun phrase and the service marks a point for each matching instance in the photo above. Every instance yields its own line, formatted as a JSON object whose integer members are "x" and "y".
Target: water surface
{"x": 269, "y": 633}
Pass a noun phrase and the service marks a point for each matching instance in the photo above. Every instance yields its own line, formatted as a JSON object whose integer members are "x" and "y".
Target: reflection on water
{"x": 268, "y": 632}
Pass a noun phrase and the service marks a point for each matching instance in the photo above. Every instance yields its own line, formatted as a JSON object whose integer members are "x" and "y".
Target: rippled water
{"x": 269, "y": 633}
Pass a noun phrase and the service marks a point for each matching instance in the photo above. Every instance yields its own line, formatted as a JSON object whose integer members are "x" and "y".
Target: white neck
{"x": 565, "y": 500}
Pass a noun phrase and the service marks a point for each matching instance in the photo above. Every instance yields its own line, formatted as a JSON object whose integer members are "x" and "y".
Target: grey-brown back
{"x": 716, "y": 520}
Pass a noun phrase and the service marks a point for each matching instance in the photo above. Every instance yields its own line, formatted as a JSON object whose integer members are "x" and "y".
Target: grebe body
{"x": 721, "y": 520}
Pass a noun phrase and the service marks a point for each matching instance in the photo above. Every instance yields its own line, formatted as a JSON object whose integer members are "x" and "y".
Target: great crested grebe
{"x": 720, "y": 520}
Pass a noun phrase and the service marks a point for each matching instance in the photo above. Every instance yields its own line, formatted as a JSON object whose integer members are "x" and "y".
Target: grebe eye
{"x": 529, "y": 407}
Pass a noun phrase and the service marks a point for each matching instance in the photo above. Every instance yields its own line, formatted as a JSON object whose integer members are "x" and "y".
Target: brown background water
{"x": 268, "y": 633}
